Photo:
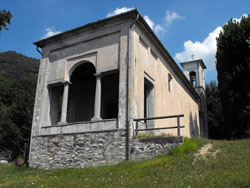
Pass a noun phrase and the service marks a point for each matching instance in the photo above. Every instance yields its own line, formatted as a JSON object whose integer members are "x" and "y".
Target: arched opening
{"x": 81, "y": 100}
{"x": 192, "y": 78}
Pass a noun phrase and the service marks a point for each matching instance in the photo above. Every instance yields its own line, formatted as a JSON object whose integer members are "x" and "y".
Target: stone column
{"x": 98, "y": 90}
{"x": 65, "y": 103}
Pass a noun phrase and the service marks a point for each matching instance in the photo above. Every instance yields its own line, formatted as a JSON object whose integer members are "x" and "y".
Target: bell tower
{"x": 194, "y": 71}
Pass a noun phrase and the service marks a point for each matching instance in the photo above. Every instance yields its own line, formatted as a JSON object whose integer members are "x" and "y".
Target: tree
{"x": 16, "y": 108}
{"x": 214, "y": 111}
{"x": 5, "y": 17}
{"x": 233, "y": 67}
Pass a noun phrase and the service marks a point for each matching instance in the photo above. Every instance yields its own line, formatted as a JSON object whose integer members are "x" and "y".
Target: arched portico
{"x": 81, "y": 99}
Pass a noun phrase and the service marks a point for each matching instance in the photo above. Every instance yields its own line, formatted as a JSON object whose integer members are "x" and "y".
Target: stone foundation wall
{"x": 94, "y": 149}
{"x": 78, "y": 150}
{"x": 153, "y": 147}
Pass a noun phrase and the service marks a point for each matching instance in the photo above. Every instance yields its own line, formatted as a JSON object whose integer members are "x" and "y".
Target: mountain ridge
{"x": 15, "y": 65}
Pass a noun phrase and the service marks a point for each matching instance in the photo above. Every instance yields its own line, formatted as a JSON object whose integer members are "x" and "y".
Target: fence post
{"x": 178, "y": 126}
{"x": 136, "y": 129}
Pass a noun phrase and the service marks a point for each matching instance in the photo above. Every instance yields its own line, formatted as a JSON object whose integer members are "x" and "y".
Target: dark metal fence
{"x": 178, "y": 127}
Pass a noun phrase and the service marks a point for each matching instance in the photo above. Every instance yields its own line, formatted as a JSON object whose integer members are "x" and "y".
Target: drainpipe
{"x": 127, "y": 84}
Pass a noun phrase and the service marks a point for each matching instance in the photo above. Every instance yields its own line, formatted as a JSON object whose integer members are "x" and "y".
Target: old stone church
{"x": 104, "y": 84}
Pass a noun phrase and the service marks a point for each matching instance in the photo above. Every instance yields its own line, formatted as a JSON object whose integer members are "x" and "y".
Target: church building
{"x": 102, "y": 85}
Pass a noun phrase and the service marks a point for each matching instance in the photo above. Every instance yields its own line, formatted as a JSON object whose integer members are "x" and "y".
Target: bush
{"x": 188, "y": 147}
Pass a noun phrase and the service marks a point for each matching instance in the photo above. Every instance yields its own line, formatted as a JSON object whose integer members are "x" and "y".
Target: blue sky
{"x": 185, "y": 27}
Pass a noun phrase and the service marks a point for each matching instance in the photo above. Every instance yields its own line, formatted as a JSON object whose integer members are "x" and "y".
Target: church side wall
{"x": 169, "y": 99}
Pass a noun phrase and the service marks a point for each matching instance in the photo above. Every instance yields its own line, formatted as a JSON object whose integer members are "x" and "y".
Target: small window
{"x": 170, "y": 78}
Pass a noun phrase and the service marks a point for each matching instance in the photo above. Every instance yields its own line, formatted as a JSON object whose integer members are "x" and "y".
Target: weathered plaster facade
{"x": 94, "y": 81}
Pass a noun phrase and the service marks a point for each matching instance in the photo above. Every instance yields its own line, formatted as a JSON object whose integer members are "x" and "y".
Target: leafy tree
{"x": 233, "y": 67}
{"x": 18, "y": 75}
{"x": 214, "y": 111}
{"x": 5, "y": 17}
{"x": 16, "y": 109}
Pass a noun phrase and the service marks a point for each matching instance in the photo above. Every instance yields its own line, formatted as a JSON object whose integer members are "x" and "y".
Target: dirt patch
{"x": 204, "y": 152}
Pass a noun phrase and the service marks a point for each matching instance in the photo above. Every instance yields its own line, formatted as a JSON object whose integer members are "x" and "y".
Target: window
{"x": 148, "y": 101}
{"x": 170, "y": 78}
{"x": 110, "y": 93}
{"x": 55, "y": 98}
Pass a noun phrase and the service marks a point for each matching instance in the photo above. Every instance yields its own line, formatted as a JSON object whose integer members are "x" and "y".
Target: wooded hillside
{"x": 17, "y": 66}
{"x": 18, "y": 76}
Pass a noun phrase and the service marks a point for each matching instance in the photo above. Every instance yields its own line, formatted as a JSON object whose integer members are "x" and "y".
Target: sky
{"x": 187, "y": 28}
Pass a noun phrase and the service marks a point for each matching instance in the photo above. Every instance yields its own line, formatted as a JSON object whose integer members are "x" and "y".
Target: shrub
{"x": 188, "y": 147}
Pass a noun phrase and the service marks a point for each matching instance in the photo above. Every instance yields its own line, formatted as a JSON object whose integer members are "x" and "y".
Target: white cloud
{"x": 119, "y": 11}
{"x": 172, "y": 16}
{"x": 149, "y": 21}
{"x": 205, "y": 50}
{"x": 157, "y": 28}
{"x": 50, "y": 31}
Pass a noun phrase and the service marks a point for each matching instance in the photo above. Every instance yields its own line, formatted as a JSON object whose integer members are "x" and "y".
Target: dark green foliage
{"x": 5, "y": 17}
{"x": 17, "y": 94}
{"x": 214, "y": 111}
{"x": 233, "y": 66}
{"x": 17, "y": 66}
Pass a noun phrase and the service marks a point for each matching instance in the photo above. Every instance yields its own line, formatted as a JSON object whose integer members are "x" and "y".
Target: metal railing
{"x": 5, "y": 156}
{"x": 178, "y": 127}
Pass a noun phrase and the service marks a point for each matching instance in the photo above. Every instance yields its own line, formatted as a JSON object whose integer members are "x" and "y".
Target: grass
{"x": 229, "y": 168}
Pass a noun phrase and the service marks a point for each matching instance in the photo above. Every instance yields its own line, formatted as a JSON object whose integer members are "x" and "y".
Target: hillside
{"x": 18, "y": 76}
{"x": 18, "y": 66}
{"x": 199, "y": 163}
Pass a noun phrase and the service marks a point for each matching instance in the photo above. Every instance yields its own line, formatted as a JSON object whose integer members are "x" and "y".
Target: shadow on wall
{"x": 194, "y": 130}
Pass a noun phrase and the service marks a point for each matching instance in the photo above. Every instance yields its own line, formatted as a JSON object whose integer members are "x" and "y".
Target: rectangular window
{"x": 148, "y": 102}
{"x": 110, "y": 95}
{"x": 55, "y": 99}
{"x": 170, "y": 80}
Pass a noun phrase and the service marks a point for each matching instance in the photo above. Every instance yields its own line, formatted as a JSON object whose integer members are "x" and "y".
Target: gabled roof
{"x": 43, "y": 42}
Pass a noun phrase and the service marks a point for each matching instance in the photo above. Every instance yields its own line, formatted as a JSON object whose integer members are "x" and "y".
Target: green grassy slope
{"x": 230, "y": 167}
